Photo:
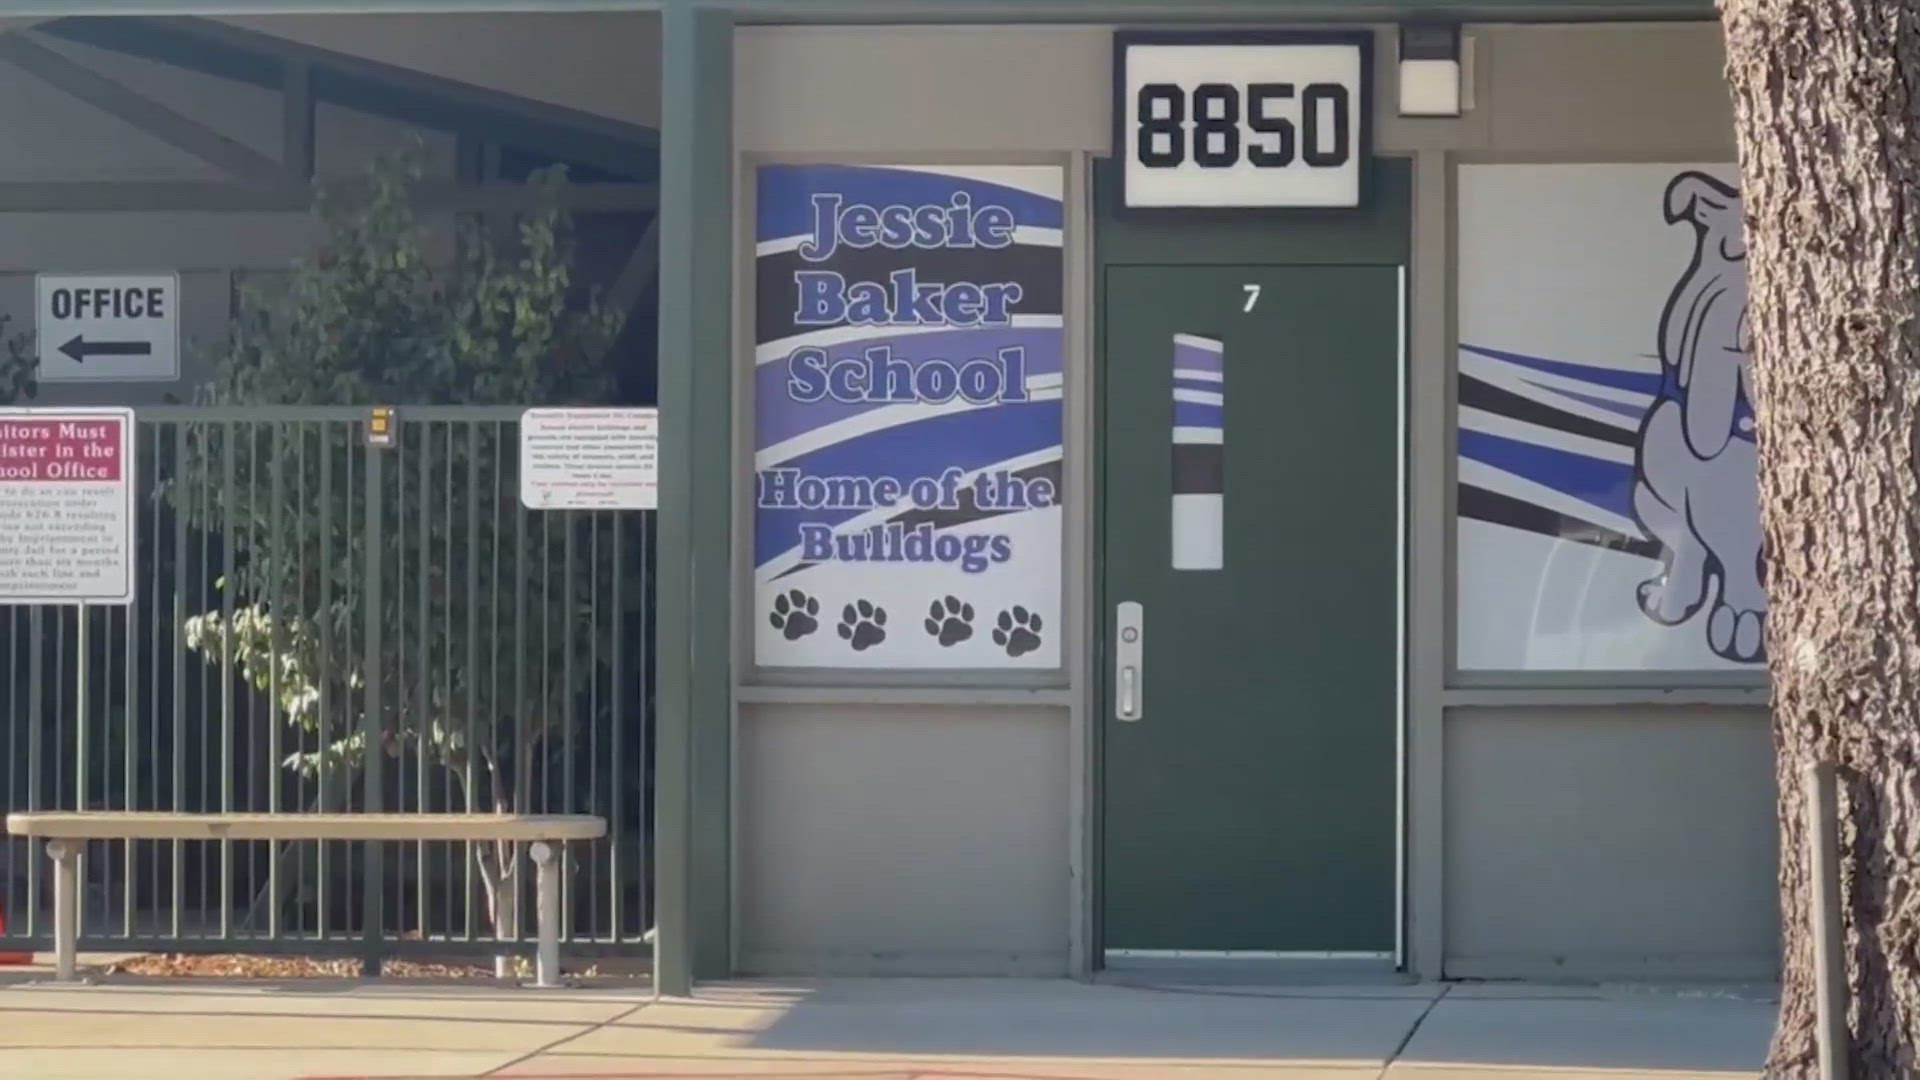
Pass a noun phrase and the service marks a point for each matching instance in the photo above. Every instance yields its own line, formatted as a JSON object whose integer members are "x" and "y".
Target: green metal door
{"x": 1251, "y": 509}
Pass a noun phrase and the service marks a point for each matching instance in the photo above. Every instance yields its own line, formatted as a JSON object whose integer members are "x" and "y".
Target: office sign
{"x": 108, "y": 327}
{"x": 66, "y": 506}
{"x": 589, "y": 459}
{"x": 907, "y": 392}
{"x": 1242, "y": 121}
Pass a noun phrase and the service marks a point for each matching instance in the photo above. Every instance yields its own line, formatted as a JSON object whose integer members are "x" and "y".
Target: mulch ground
{"x": 244, "y": 966}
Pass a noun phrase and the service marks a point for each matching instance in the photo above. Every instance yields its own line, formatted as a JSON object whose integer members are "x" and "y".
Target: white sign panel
{"x": 108, "y": 327}
{"x": 1608, "y": 501}
{"x": 1209, "y": 121}
{"x": 589, "y": 459}
{"x": 66, "y": 506}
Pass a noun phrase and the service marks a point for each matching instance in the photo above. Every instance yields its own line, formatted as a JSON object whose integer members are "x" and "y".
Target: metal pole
{"x": 679, "y": 338}
{"x": 72, "y": 874}
{"x": 372, "y": 720}
{"x": 691, "y": 653}
{"x": 546, "y": 969}
{"x": 1829, "y": 943}
{"x": 66, "y": 906}
{"x": 80, "y": 680}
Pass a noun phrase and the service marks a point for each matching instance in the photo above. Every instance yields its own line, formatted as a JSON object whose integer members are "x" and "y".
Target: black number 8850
{"x": 1209, "y": 120}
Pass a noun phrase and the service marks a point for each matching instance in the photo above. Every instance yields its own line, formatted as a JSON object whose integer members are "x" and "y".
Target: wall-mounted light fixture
{"x": 1430, "y": 69}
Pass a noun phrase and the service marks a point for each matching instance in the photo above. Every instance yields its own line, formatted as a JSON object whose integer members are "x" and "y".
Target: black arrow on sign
{"x": 80, "y": 348}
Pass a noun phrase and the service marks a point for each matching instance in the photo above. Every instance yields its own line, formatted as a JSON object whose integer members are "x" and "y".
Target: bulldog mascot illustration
{"x": 1695, "y": 490}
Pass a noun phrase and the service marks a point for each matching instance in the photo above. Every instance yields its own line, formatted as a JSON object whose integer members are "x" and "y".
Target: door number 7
{"x": 1253, "y": 296}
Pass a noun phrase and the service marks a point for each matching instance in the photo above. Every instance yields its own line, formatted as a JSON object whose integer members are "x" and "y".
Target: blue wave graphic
{"x": 1194, "y": 414}
{"x": 1647, "y": 383}
{"x": 1621, "y": 408}
{"x": 1607, "y": 485}
{"x": 786, "y": 193}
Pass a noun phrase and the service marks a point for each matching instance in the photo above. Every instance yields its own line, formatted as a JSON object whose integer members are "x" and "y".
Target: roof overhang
{"x": 842, "y": 11}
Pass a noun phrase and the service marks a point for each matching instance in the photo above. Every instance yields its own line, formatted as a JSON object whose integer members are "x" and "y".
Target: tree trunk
{"x": 1830, "y": 166}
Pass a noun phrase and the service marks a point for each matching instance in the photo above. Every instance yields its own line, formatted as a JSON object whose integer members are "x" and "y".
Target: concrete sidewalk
{"x": 882, "y": 1029}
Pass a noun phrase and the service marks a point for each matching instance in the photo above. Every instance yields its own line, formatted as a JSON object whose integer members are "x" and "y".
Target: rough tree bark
{"x": 1829, "y": 142}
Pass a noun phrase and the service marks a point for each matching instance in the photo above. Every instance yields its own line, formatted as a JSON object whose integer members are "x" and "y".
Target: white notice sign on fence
{"x": 66, "y": 506}
{"x": 589, "y": 459}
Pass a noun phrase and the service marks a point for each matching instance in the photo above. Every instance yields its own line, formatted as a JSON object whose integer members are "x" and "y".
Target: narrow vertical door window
{"x": 1199, "y": 452}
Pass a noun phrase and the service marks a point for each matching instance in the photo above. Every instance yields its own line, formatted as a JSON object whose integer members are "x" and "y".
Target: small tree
{"x": 377, "y": 316}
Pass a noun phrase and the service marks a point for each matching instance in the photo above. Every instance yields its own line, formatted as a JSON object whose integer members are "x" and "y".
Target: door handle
{"x": 1129, "y": 649}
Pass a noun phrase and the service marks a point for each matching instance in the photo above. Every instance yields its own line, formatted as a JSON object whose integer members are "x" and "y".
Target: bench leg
{"x": 546, "y": 968}
{"x": 66, "y": 906}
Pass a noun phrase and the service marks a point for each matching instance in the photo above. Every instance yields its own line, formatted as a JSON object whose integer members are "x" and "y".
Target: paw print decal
{"x": 1017, "y": 631}
{"x": 795, "y": 614}
{"x": 863, "y": 625}
{"x": 950, "y": 621}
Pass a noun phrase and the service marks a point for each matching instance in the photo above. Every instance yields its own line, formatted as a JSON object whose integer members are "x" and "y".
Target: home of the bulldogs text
{"x": 895, "y": 541}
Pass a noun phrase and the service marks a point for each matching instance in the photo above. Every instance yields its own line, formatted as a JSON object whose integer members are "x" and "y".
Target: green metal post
{"x": 373, "y": 720}
{"x": 693, "y": 647}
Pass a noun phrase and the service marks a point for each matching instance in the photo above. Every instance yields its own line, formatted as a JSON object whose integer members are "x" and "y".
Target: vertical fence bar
{"x": 323, "y": 727}
{"x": 616, "y": 812}
{"x": 350, "y": 646}
{"x": 470, "y": 715}
{"x": 306, "y": 782}
{"x": 229, "y": 451}
{"x": 565, "y": 707}
{"x": 204, "y": 528}
{"x": 113, "y": 795}
{"x": 277, "y": 641}
{"x": 594, "y": 763}
{"x": 130, "y": 721}
{"x": 36, "y": 752}
{"x": 448, "y": 679}
{"x": 176, "y": 849}
{"x": 62, "y": 718}
{"x": 372, "y": 720}
{"x": 546, "y": 653}
{"x": 312, "y": 793}
{"x": 422, "y": 701}
{"x": 522, "y": 756}
{"x": 157, "y": 458}
{"x": 497, "y": 614}
{"x": 649, "y": 734}
{"x": 82, "y": 699}
{"x": 82, "y": 673}
{"x": 253, "y": 528}
{"x": 10, "y": 871}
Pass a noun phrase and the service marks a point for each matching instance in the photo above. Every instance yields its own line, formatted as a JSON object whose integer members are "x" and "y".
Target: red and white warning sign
{"x": 66, "y": 506}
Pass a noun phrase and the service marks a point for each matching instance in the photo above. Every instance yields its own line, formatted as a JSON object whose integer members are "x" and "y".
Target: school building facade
{"x": 1184, "y": 482}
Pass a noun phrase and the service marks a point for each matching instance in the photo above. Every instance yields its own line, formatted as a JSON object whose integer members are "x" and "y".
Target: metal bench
{"x": 65, "y": 831}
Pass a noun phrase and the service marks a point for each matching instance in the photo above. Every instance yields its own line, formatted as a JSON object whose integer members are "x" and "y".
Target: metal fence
{"x": 321, "y": 624}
